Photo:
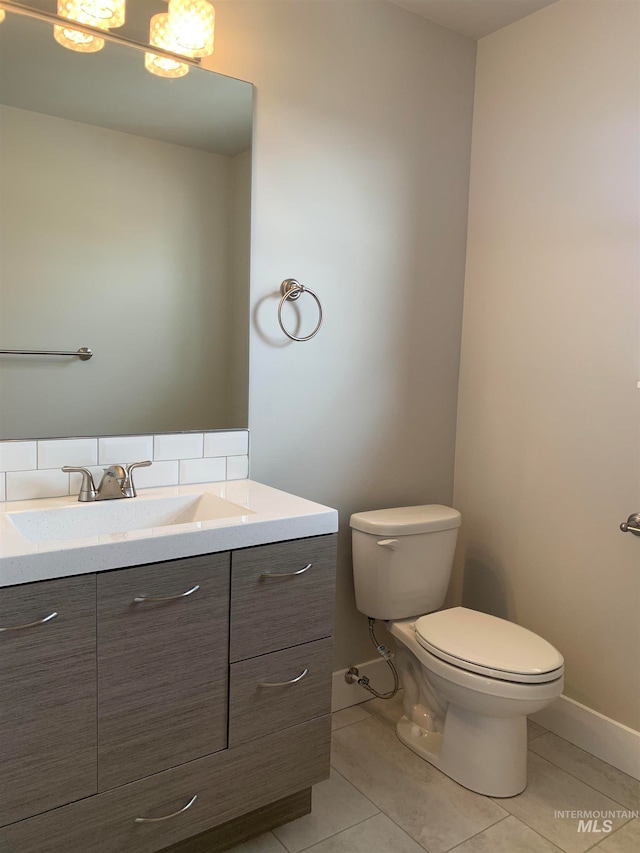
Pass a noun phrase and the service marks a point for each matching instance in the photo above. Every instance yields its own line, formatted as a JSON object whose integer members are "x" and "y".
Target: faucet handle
{"x": 88, "y": 487}
{"x": 128, "y": 488}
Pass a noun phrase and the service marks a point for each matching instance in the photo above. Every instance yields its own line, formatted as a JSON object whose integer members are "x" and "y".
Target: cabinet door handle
{"x": 284, "y": 683}
{"x": 30, "y": 624}
{"x": 286, "y": 574}
{"x": 140, "y": 598}
{"x": 167, "y": 816}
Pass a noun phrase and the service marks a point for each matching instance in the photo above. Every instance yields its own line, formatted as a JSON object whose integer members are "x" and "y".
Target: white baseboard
{"x": 598, "y": 735}
{"x": 601, "y": 736}
{"x": 344, "y": 695}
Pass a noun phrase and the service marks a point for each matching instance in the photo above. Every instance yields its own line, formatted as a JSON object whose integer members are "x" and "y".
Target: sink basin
{"x": 121, "y": 516}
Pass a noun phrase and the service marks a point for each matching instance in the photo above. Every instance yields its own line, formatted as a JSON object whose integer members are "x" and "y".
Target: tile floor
{"x": 381, "y": 798}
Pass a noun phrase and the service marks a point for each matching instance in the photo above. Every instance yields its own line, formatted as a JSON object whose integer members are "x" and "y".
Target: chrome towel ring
{"x": 292, "y": 289}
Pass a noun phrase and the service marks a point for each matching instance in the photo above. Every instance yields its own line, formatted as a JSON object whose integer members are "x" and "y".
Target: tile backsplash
{"x": 31, "y": 469}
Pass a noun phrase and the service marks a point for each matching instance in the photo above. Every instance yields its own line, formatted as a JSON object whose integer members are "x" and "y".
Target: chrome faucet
{"x": 116, "y": 482}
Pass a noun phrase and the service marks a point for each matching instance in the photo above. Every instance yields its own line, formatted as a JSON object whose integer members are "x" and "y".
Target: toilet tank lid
{"x": 405, "y": 520}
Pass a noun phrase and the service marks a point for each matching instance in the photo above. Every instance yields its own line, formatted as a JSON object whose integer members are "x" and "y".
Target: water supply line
{"x": 352, "y": 675}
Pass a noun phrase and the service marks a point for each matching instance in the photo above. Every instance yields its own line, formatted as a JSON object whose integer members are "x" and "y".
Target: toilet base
{"x": 488, "y": 755}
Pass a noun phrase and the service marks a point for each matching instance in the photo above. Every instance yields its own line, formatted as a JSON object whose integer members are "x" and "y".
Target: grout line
{"x": 573, "y": 776}
{"x": 344, "y": 778}
{"x": 333, "y": 834}
{"x": 539, "y": 831}
{"x": 606, "y": 838}
{"x": 539, "y": 735}
{"x": 475, "y": 835}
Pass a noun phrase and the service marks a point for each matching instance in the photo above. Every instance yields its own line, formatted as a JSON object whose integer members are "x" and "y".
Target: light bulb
{"x": 192, "y": 22}
{"x": 161, "y": 35}
{"x": 76, "y": 39}
{"x": 110, "y": 12}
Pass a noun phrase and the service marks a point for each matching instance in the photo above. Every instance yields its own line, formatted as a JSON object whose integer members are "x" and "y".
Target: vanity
{"x": 180, "y": 696}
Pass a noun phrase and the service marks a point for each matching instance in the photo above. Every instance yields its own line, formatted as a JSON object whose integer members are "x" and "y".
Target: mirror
{"x": 124, "y": 227}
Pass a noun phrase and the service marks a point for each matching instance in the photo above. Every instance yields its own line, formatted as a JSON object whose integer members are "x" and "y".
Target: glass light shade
{"x": 192, "y": 22}
{"x": 76, "y": 39}
{"x": 161, "y": 35}
{"x": 2, "y": 15}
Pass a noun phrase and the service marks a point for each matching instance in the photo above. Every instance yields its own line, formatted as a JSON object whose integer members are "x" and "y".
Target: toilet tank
{"x": 402, "y": 559}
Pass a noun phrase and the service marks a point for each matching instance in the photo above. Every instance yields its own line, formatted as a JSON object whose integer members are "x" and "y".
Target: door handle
{"x": 632, "y": 524}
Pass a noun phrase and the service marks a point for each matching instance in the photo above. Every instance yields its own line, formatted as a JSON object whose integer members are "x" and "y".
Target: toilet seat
{"x": 487, "y": 645}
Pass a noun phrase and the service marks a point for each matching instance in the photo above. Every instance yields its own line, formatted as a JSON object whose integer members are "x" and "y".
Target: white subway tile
{"x": 3, "y": 493}
{"x": 235, "y": 443}
{"x": 122, "y": 449}
{"x": 67, "y": 451}
{"x": 158, "y": 474}
{"x": 18, "y": 456}
{"x": 237, "y": 467}
{"x": 178, "y": 446}
{"x": 28, "y": 485}
{"x": 202, "y": 470}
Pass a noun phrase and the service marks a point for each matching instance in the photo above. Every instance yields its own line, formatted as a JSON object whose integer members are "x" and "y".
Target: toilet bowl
{"x": 470, "y": 679}
{"x": 470, "y": 723}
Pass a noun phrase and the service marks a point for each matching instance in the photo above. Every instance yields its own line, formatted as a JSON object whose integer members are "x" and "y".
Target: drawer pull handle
{"x": 140, "y": 598}
{"x": 167, "y": 816}
{"x": 286, "y": 574}
{"x": 30, "y": 624}
{"x": 284, "y": 683}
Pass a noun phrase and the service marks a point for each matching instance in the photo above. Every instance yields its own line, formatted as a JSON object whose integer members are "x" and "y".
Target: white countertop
{"x": 272, "y": 516}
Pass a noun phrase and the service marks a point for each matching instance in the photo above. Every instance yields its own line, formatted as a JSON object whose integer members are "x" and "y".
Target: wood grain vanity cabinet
{"x": 182, "y": 703}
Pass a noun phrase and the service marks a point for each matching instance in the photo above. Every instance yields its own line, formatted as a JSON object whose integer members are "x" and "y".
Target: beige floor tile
{"x": 431, "y": 808}
{"x": 266, "y": 843}
{"x": 336, "y": 805}
{"x": 534, "y": 730}
{"x": 348, "y": 716}
{"x": 625, "y": 840}
{"x": 508, "y": 836}
{"x": 589, "y": 769}
{"x": 387, "y": 710}
{"x": 376, "y": 835}
{"x": 550, "y": 789}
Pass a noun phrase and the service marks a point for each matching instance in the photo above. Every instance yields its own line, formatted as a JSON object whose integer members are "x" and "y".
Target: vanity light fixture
{"x": 192, "y": 22}
{"x": 161, "y": 35}
{"x": 185, "y": 32}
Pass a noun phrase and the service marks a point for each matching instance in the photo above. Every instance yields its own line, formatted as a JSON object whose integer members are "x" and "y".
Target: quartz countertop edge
{"x": 272, "y": 516}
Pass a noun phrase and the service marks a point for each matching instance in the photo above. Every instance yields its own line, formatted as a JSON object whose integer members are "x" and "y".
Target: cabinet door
{"x": 282, "y": 595}
{"x": 162, "y": 666}
{"x": 47, "y": 695}
{"x": 279, "y": 690}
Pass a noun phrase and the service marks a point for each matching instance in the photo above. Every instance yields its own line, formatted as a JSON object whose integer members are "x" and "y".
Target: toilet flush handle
{"x": 392, "y": 544}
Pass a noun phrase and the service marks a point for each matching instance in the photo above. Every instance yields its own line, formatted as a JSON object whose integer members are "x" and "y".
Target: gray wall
{"x": 362, "y": 140}
{"x": 547, "y": 453}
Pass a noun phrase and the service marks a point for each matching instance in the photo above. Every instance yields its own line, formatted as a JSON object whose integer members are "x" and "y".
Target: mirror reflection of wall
{"x": 124, "y": 227}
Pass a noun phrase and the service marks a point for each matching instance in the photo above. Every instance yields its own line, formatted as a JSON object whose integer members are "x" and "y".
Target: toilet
{"x": 470, "y": 679}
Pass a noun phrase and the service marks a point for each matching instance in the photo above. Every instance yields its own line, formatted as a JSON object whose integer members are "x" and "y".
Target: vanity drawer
{"x": 47, "y": 695}
{"x": 227, "y": 785}
{"x": 273, "y": 607}
{"x": 267, "y": 693}
{"x": 162, "y": 666}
